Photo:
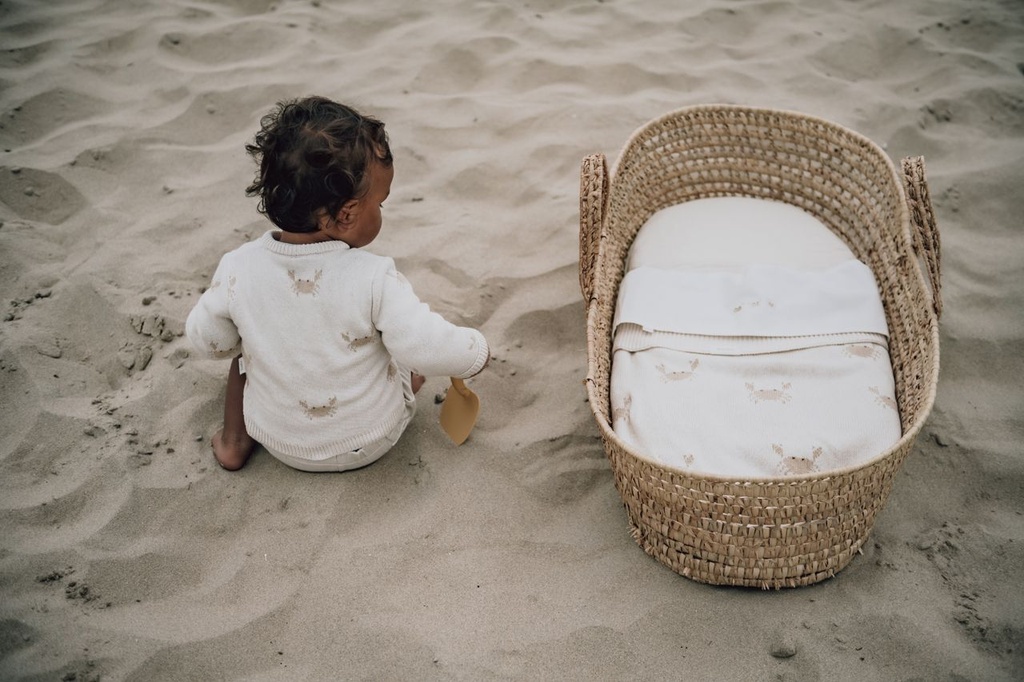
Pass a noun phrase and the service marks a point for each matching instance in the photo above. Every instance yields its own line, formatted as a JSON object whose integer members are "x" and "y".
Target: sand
{"x": 127, "y": 554}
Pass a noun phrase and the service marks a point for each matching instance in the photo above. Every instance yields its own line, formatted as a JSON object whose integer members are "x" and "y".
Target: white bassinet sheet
{"x": 766, "y": 360}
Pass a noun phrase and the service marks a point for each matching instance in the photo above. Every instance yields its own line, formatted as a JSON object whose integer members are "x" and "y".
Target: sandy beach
{"x": 126, "y": 553}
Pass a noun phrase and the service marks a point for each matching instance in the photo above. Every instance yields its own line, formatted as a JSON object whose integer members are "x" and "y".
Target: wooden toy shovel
{"x": 459, "y": 411}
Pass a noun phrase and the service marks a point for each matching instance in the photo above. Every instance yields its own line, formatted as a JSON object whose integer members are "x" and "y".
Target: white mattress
{"x": 749, "y": 342}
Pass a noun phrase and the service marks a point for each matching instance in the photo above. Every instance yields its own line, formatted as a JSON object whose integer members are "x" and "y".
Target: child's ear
{"x": 347, "y": 213}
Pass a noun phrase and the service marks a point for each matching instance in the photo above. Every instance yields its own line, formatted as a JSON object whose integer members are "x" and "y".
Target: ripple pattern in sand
{"x": 126, "y": 554}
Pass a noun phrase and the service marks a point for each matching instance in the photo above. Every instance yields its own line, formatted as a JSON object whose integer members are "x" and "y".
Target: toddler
{"x": 330, "y": 343}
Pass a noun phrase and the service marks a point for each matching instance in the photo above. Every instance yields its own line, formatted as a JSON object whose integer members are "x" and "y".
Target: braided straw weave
{"x": 787, "y": 531}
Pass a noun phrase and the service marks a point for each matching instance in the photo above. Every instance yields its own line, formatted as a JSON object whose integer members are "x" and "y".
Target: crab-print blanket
{"x": 761, "y": 373}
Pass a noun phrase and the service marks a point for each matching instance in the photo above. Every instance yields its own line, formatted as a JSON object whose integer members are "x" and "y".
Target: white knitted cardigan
{"x": 324, "y": 331}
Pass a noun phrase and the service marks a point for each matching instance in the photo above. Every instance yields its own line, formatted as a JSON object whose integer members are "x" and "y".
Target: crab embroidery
{"x": 219, "y": 352}
{"x": 797, "y": 465}
{"x": 622, "y": 413}
{"x": 753, "y": 304}
{"x": 306, "y": 286}
{"x": 318, "y": 411}
{"x": 680, "y": 375}
{"x": 779, "y": 395}
{"x": 688, "y": 459}
{"x": 356, "y": 344}
{"x": 883, "y": 400}
{"x": 862, "y": 350}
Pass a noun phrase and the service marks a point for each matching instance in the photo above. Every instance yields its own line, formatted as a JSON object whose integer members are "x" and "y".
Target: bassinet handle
{"x": 925, "y": 232}
{"x": 593, "y": 195}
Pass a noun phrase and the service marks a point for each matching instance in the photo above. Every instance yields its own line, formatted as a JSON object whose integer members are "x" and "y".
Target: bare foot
{"x": 232, "y": 453}
{"x": 417, "y": 382}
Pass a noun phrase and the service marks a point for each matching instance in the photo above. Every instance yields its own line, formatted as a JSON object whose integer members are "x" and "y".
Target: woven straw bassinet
{"x": 780, "y": 532}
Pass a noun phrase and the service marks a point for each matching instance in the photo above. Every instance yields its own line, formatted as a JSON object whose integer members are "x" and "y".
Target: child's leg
{"x": 232, "y": 445}
{"x": 417, "y": 382}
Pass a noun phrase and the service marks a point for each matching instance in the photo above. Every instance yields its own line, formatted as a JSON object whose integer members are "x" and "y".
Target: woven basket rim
{"x": 753, "y": 109}
{"x": 894, "y": 176}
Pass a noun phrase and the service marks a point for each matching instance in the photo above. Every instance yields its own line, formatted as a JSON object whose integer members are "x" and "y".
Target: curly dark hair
{"x": 313, "y": 154}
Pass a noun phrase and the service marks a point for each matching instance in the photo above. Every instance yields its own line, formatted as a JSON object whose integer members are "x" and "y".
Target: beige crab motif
{"x": 797, "y": 465}
{"x": 778, "y": 395}
{"x": 622, "y": 413}
{"x": 306, "y": 286}
{"x": 681, "y": 375}
{"x": 884, "y": 400}
{"x": 862, "y": 350}
{"x": 753, "y": 304}
{"x": 356, "y": 344}
{"x": 320, "y": 411}
{"x": 219, "y": 352}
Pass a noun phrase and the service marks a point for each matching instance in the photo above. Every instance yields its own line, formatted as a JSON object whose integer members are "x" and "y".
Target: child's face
{"x": 366, "y": 219}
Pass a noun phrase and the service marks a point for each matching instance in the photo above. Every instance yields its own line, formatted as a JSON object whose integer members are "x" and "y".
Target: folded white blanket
{"x": 759, "y": 300}
{"x": 770, "y": 362}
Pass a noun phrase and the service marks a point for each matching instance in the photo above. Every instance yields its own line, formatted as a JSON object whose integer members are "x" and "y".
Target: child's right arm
{"x": 421, "y": 339}
{"x": 209, "y": 326}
